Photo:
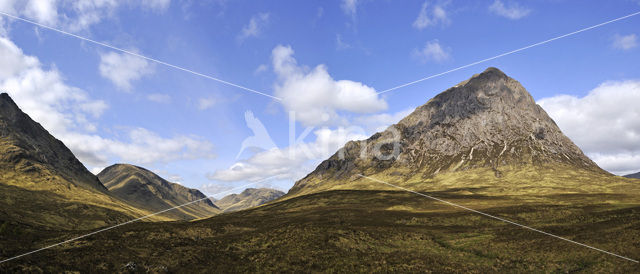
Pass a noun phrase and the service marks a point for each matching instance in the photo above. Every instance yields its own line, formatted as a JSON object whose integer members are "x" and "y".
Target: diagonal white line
{"x": 140, "y": 56}
{"x": 497, "y": 218}
{"x": 510, "y": 52}
{"x": 130, "y": 221}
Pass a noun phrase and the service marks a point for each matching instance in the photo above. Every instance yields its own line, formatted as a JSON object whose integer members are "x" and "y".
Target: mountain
{"x": 634, "y": 175}
{"x": 145, "y": 189}
{"x": 488, "y": 123}
{"x": 336, "y": 221}
{"x": 43, "y": 184}
{"x": 250, "y": 197}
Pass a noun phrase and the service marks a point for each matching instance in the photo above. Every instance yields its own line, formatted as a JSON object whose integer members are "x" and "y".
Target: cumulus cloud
{"x": 43, "y": 93}
{"x": 625, "y": 42}
{"x": 379, "y": 122}
{"x": 43, "y": 11}
{"x": 605, "y": 123}
{"x": 512, "y": 10}
{"x": 76, "y": 16}
{"x": 122, "y": 68}
{"x": 254, "y": 27}
{"x": 431, "y": 16}
{"x": 299, "y": 158}
{"x": 140, "y": 146}
{"x": 314, "y": 96}
{"x": 432, "y": 52}
{"x": 290, "y": 163}
{"x": 69, "y": 114}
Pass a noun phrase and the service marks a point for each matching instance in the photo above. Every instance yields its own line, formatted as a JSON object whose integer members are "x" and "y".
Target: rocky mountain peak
{"x": 28, "y": 147}
{"x": 489, "y": 120}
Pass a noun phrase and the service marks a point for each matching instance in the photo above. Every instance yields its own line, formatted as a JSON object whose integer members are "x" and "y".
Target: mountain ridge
{"x": 250, "y": 197}
{"x": 34, "y": 164}
{"x": 145, "y": 189}
{"x": 489, "y": 122}
{"x": 30, "y": 144}
{"x": 633, "y": 175}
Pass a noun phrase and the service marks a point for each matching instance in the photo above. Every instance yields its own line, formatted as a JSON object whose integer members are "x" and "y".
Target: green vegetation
{"x": 364, "y": 231}
{"x": 146, "y": 190}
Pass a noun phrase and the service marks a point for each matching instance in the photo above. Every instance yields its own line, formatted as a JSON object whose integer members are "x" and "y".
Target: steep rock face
{"x": 147, "y": 190}
{"x": 488, "y": 121}
{"x": 250, "y": 197}
{"x": 27, "y": 147}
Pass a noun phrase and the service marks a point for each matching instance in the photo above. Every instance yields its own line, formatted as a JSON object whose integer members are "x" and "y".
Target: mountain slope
{"x": 489, "y": 124}
{"x": 43, "y": 184}
{"x": 250, "y": 197}
{"x": 147, "y": 190}
{"x": 634, "y": 175}
{"x": 320, "y": 227}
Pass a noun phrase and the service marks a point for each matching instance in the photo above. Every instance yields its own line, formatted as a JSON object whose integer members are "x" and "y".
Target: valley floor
{"x": 360, "y": 231}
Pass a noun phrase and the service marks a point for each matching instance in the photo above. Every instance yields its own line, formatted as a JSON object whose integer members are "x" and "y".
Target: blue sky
{"x": 111, "y": 107}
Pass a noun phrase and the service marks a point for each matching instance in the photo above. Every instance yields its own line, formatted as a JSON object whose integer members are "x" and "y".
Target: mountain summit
{"x": 28, "y": 147}
{"x": 147, "y": 190}
{"x": 250, "y": 197}
{"x": 43, "y": 184}
{"x": 488, "y": 121}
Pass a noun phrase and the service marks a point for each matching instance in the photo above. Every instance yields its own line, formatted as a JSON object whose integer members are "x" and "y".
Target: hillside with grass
{"x": 145, "y": 189}
{"x": 483, "y": 145}
{"x": 44, "y": 186}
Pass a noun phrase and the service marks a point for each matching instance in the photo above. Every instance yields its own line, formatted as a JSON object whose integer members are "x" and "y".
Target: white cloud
{"x": 206, "y": 103}
{"x": 290, "y": 163}
{"x": 605, "y": 123}
{"x": 218, "y": 190}
{"x": 430, "y": 17}
{"x": 43, "y": 11}
{"x": 43, "y": 93}
{"x": 140, "y": 146}
{"x": 432, "y": 52}
{"x": 254, "y": 27}
{"x": 122, "y": 68}
{"x": 69, "y": 114}
{"x": 349, "y": 7}
{"x": 625, "y": 42}
{"x": 75, "y": 16}
{"x": 512, "y": 11}
{"x": 314, "y": 96}
{"x": 379, "y": 122}
{"x": 159, "y": 98}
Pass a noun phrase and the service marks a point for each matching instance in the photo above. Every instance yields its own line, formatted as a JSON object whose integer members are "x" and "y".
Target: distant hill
{"x": 634, "y": 175}
{"x": 250, "y": 197}
{"x": 145, "y": 189}
{"x": 475, "y": 132}
{"x": 42, "y": 183}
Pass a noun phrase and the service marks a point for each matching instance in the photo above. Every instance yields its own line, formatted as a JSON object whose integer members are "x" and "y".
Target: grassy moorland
{"x": 375, "y": 230}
